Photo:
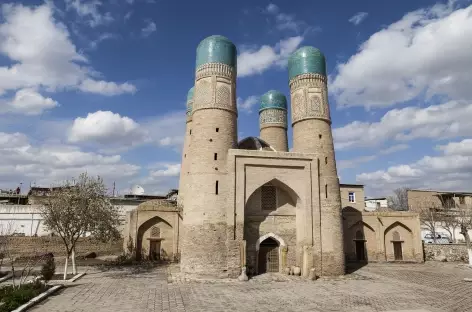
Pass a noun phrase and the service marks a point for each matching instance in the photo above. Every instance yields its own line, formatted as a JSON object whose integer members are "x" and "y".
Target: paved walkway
{"x": 430, "y": 287}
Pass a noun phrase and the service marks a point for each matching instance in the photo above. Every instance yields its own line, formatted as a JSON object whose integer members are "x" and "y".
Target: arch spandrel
{"x": 284, "y": 185}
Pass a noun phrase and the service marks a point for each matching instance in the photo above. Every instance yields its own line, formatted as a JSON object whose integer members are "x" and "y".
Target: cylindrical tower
{"x": 273, "y": 120}
{"x": 187, "y": 139}
{"x": 312, "y": 133}
{"x": 214, "y": 132}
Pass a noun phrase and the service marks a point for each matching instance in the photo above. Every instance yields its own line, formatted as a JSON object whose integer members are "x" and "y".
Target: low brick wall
{"x": 449, "y": 252}
{"x": 30, "y": 246}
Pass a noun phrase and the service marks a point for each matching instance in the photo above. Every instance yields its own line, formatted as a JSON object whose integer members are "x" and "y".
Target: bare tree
{"x": 78, "y": 208}
{"x": 7, "y": 253}
{"x": 430, "y": 216}
{"x": 399, "y": 200}
{"x": 464, "y": 219}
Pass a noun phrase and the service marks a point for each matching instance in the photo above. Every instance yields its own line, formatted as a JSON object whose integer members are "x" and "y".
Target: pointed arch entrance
{"x": 151, "y": 236}
{"x": 269, "y": 253}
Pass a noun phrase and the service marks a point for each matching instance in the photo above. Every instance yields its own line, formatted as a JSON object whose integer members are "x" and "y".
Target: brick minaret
{"x": 312, "y": 133}
{"x": 214, "y": 132}
{"x": 273, "y": 120}
{"x": 187, "y": 139}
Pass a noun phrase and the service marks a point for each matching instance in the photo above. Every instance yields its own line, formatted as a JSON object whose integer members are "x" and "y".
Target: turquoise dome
{"x": 189, "y": 99}
{"x": 306, "y": 60}
{"x": 216, "y": 49}
{"x": 273, "y": 99}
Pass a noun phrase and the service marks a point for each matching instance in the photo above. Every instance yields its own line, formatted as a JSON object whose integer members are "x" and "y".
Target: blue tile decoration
{"x": 306, "y": 60}
{"x": 216, "y": 49}
{"x": 190, "y": 100}
{"x": 273, "y": 99}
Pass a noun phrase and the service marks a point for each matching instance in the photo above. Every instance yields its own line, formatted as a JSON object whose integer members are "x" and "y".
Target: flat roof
{"x": 351, "y": 185}
{"x": 442, "y": 192}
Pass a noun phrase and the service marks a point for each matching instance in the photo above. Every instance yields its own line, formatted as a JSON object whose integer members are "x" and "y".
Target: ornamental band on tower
{"x": 214, "y": 132}
{"x": 273, "y": 120}
{"x": 312, "y": 133}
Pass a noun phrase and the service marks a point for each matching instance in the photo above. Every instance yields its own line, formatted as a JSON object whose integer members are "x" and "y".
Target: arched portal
{"x": 269, "y": 255}
{"x": 272, "y": 208}
{"x": 398, "y": 240}
{"x": 154, "y": 240}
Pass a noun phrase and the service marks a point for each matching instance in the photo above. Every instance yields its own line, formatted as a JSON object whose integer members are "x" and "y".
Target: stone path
{"x": 431, "y": 287}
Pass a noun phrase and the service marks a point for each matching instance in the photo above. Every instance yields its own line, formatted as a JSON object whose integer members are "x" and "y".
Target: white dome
{"x": 137, "y": 190}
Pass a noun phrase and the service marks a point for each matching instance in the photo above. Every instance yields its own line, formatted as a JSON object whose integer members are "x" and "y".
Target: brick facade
{"x": 29, "y": 246}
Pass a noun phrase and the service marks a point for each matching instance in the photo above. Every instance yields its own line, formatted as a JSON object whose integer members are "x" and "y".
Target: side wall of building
{"x": 376, "y": 233}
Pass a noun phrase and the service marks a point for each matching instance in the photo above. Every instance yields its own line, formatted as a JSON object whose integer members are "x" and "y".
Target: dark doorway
{"x": 268, "y": 256}
{"x": 397, "y": 251}
{"x": 360, "y": 250}
{"x": 154, "y": 250}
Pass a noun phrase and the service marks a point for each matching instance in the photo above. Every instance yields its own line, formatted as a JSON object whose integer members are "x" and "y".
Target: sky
{"x": 100, "y": 86}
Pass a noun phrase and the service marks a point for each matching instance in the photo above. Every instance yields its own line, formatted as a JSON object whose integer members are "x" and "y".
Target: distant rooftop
{"x": 350, "y": 185}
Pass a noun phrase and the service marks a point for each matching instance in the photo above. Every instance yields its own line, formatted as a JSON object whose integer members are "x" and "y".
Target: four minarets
{"x": 212, "y": 130}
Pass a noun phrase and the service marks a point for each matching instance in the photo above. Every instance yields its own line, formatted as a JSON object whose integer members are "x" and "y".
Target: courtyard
{"x": 432, "y": 287}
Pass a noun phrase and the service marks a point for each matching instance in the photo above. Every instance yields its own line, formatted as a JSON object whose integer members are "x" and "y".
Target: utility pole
{"x": 113, "y": 188}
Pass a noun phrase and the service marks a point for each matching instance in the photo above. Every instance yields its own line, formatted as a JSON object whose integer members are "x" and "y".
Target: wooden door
{"x": 397, "y": 251}
{"x": 268, "y": 259}
{"x": 154, "y": 250}
{"x": 360, "y": 250}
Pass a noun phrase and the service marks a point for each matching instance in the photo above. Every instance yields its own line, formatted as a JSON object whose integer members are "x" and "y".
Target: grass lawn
{"x": 13, "y": 297}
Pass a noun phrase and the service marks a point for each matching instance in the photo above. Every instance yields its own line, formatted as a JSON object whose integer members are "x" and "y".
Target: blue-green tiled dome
{"x": 273, "y": 99}
{"x": 189, "y": 100}
{"x": 216, "y": 49}
{"x": 306, "y": 60}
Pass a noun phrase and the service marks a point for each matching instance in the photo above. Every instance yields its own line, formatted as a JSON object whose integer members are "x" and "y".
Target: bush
{"x": 48, "y": 269}
{"x": 13, "y": 297}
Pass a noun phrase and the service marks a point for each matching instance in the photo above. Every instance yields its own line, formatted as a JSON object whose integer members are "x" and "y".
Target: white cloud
{"x": 428, "y": 51}
{"x": 284, "y": 21}
{"x": 450, "y": 171}
{"x": 441, "y": 121}
{"x": 108, "y": 128}
{"x": 43, "y": 55}
{"x": 353, "y": 162}
{"x": 149, "y": 28}
{"x": 170, "y": 170}
{"x": 20, "y": 161}
{"x": 29, "y": 102}
{"x": 88, "y": 10}
{"x": 358, "y": 18}
{"x": 106, "y": 87}
{"x": 105, "y": 36}
{"x": 463, "y": 148}
{"x": 246, "y": 105}
{"x": 167, "y": 130}
{"x": 256, "y": 61}
{"x": 272, "y": 8}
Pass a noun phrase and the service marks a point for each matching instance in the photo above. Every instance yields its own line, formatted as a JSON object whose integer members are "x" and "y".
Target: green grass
{"x": 13, "y": 297}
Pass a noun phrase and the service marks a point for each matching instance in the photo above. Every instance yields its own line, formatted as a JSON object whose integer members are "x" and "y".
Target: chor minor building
{"x": 252, "y": 203}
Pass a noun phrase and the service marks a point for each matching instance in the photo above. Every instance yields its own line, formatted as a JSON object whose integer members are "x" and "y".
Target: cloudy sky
{"x": 100, "y": 85}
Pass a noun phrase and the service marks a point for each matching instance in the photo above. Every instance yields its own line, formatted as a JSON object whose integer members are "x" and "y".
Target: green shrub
{"x": 48, "y": 269}
{"x": 13, "y": 297}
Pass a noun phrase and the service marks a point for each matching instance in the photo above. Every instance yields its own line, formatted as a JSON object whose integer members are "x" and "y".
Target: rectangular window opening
{"x": 216, "y": 188}
{"x": 190, "y": 131}
{"x": 326, "y": 160}
{"x": 217, "y": 129}
{"x": 215, "y": 157}
{"x": 326, "y": 190}
{"x": 352, "y": 197}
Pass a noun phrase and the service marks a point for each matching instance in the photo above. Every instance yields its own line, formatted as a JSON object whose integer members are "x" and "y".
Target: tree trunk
{"x": 74, "y": 268}
{"x": 65, "y": 267}
{"x": 465, "y": 232}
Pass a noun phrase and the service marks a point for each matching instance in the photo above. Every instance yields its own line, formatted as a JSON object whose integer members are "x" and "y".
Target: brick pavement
{"x": 430, "y": 287}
